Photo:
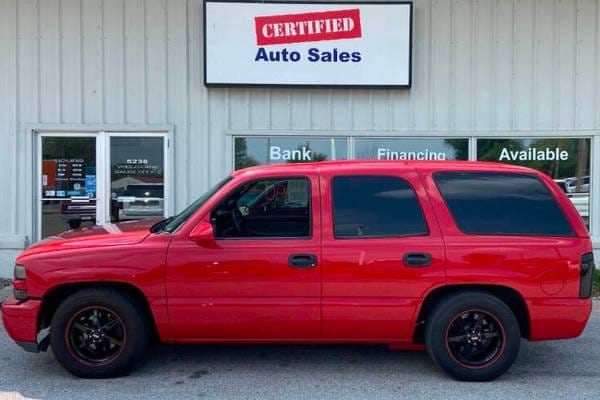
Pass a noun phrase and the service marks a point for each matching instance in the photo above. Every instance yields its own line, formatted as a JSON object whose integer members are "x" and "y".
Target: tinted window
{"x": 498, "y": 203}
{"x": 265, "y": 208}
{"x": 566, "y": 160}
{"x": 375, "y": 206}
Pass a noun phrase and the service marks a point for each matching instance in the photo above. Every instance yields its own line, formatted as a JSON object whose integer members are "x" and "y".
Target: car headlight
{"x": 19, "y": 284}
{"x": 19, "y": 273}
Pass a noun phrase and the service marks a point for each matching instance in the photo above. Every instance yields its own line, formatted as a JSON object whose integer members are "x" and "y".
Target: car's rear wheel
{"x": 99, "y": 333}
{"x": 472, "y": 336}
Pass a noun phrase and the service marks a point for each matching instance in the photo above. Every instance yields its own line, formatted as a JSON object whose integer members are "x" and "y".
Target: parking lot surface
{"x": 544, "y": 370}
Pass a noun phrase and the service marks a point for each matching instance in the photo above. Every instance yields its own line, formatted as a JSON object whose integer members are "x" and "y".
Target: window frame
{"x": 252, "y": 182}
{"x": 410, "y": 185}
{"x": 552, "y": 196}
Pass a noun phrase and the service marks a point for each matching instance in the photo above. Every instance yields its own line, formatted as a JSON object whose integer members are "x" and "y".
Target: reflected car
{"x": 571, "y": 184}
{"x": 77, "y": 210}
{"x": 140, "y": 201}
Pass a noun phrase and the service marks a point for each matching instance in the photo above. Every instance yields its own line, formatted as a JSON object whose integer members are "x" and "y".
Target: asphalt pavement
{"x": 567, "y": 369}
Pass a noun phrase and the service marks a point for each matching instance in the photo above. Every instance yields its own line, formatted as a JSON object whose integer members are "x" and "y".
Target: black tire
{"x": 75, "y": 223}
{"x": 74, "y": 349}
{"x": 488, "y": 349}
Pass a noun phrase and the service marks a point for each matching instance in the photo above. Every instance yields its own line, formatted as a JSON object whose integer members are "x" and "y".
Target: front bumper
{"x": 558, "y": 318}
{"x": 20, "y": 320}
{"x": 78, "y": 217}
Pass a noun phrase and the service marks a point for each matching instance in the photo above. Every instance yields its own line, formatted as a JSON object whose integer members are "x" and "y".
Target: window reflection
{"x": 137, "y": 178}
{"x": 411, "y": 149}
{"x": 68, "y": 183}
{"x": 254, "y": 151}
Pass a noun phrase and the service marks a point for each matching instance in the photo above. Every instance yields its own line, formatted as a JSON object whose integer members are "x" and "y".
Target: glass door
{"x": 87, "y": 179}
{"x": 68, "y": 183}
{"x": 137, "y": 177}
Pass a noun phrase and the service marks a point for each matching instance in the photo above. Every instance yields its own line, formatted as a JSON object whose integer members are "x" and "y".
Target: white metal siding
{"x": 478, "y": 65}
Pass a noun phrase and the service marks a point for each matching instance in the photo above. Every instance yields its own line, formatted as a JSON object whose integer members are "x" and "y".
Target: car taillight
{"x": 19, "y": 283}
{"x": 585, "y": 280}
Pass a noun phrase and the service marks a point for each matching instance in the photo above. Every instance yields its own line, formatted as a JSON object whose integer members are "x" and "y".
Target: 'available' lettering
{"x": 533, "y": 154}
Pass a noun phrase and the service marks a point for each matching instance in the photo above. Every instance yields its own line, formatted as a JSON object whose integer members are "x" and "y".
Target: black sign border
{"x": 326, "y": 86}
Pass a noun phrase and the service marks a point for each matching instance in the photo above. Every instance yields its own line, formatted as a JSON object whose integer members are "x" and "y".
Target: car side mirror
{"x": 202, "y": 233}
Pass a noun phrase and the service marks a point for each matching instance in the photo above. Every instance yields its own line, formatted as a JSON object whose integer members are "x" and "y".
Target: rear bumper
{"x": 20, "y": 320}
{"x": 558, "y": 318}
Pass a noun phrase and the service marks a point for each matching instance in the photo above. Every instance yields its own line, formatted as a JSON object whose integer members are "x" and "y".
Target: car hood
{"x": 124, "y": 233}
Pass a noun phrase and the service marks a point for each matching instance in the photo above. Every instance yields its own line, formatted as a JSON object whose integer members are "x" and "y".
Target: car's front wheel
{"x": 98, "y": 333}
{"x": 472, "y": 336}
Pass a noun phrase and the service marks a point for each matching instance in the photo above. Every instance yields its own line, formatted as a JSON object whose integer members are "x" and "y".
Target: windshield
{"x": 176, "y": 221}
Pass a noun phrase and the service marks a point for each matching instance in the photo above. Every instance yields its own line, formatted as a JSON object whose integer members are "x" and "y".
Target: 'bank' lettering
{"x": 277, "y": 153}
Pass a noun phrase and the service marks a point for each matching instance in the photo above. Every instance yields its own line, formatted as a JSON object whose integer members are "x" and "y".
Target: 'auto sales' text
{"x": 313, "y": 55}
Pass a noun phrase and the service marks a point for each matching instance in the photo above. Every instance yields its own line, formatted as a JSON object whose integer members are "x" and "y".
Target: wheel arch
{"x": 511, "y": 297}
{"x": 54, "y": 297}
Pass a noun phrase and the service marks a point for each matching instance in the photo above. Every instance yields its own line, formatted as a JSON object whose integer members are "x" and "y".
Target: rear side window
{"x": 375, "y": 206}
{"x": 502, "y": 204}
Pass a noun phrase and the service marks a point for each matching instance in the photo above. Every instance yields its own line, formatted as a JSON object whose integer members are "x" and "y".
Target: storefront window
{"x": 567, "y": 161}
{"x": 411, "y": 149}
{"x": 251, "y": 151}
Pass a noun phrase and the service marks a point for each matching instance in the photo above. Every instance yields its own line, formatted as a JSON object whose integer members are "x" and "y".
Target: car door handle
{"x": 417, "y": 259}
{"x": 302, "y": 261}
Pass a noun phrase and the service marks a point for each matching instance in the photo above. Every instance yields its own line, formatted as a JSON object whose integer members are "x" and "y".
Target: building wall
{"x": 507, "y": 66}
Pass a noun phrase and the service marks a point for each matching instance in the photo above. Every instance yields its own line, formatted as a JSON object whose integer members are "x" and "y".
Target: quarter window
{"x": 502, "y": 204}
{"x": 566, "y": 160}
{"x": 375, "y": 206}
{"x": 265, "y": 208}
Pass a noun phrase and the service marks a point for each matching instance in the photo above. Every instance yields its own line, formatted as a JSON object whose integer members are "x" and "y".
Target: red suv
{"x": 460, "y": 258}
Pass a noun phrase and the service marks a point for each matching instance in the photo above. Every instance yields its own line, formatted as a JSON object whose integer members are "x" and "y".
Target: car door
{"x": 260, "y": 278}
{"x": 382, "y": 252}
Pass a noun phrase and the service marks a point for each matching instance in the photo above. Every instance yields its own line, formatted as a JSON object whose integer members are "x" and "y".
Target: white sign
{"x": 315, "y": 44}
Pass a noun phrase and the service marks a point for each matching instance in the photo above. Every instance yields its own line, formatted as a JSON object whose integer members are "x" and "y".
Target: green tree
{"x": 242, "y": 159}
{"x": 316, "y": 156}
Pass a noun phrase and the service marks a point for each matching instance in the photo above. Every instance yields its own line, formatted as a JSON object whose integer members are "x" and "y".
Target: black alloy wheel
{"x": 100, "y": 332}
{"x": 475, "y": 338}
{"x": 96, "y": 335}
{"x": 472, "y": 335}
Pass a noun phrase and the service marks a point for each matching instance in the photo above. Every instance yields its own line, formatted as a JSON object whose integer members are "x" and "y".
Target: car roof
{"x": 387, "y": 164}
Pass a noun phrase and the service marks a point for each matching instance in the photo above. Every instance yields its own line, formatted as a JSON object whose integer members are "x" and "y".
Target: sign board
{"x": 307, "y": 44}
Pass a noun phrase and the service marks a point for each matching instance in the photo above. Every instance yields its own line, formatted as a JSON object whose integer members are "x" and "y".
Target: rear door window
{"x": 502, "y": 204}
{"x": 375, "y": 206}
